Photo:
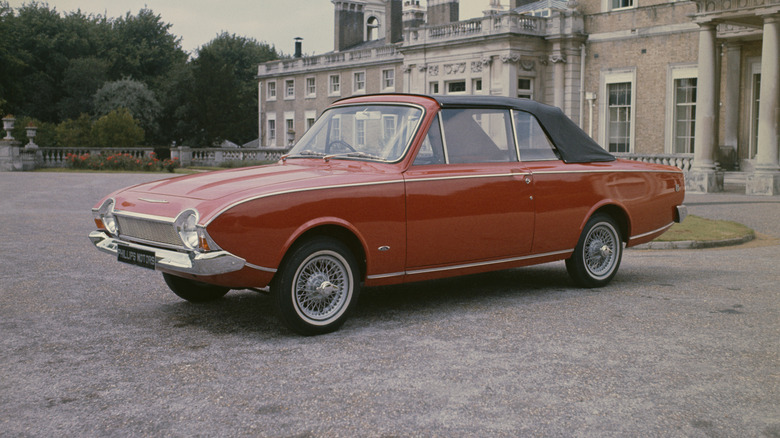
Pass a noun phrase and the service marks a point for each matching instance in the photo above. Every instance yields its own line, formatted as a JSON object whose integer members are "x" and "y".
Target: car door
{"x": 468, "y": 198}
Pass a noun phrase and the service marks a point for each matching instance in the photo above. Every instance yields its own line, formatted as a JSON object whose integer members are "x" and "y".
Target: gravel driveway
{"x": 681, "y": 343}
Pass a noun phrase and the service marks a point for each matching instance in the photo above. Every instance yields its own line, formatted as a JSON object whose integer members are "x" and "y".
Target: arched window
{"x": 372, "y": 29}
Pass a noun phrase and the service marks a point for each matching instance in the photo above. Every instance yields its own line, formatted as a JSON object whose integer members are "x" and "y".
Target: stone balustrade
{"x": 57, "y": 157}
{"x": 682, "y": 161}
{"x": 216, "y": 156}
{"x": 490, "y": 25}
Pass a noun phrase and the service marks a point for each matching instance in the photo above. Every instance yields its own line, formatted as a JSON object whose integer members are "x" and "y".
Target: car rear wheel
{"x": 597, "y": 255}
{"x": 316, "y": 286}
{"x": 194, "y": 291}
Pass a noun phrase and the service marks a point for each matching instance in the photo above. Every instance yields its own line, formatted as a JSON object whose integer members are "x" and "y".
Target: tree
{"x": 134, "y": 96}
{"x": 223, "y": 100}
{"x": 117, "y": 129}
{"x": 81, "y": 80}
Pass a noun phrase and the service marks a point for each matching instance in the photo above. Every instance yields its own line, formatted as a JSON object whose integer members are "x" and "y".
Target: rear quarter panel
{"x": 567, "y": 195}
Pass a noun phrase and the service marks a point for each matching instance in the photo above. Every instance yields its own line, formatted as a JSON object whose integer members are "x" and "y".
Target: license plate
{"x": 137, "y": 257}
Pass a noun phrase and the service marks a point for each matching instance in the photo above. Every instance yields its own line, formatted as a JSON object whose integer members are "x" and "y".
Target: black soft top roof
{"x": 574, "y": 145}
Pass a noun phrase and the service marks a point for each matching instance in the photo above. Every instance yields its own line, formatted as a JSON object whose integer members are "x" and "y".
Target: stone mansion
{"x": 681, "y": 80}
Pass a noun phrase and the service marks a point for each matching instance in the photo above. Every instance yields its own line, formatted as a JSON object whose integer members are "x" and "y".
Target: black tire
{"x": 194, "y": 291}
{"x": 316, "y": 287}
{"x": 598, "y": 253}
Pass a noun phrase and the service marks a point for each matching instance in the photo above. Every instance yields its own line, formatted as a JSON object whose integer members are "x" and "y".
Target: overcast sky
{"x": 275, "y": 22}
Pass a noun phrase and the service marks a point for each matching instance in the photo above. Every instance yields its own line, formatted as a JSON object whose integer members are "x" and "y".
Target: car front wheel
{"x": 317, "y": 286}
{"x": 597, "y": 255}
{"x": 194, "y": 291}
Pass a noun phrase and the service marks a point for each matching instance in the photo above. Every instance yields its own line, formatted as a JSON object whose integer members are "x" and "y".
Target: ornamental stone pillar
{"x": 765, "y": 180}
{"x": 559, "y": 75}
{"x": 704, "y": 177}
{"x": 731, "y": 104}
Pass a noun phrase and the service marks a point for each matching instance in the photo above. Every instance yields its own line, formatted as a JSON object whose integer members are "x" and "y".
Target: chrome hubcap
{"x": 600, "y": 248}
{"x": 322, "y": 286}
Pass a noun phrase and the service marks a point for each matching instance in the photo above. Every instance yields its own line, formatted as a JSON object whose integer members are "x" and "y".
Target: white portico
{"x": 737, "y": 26}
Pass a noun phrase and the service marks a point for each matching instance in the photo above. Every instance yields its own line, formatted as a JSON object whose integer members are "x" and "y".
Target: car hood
{"x": 230, "y": 183}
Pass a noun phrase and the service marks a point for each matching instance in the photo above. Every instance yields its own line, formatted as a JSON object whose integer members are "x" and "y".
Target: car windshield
{"x": 364, "y": 132}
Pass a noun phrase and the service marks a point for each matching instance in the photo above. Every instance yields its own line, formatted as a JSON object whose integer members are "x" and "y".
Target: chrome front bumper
{"x": 195, "y": 263}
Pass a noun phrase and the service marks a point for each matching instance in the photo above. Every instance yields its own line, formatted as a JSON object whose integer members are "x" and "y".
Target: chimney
{"x": 394, "y": 15}
{"x": 414, "y": 14}
{"x": 517, "y": 3}
{"x": 347, "y": 24}
{"x": 298, "y": 47}
{"x": 443, "y": 12}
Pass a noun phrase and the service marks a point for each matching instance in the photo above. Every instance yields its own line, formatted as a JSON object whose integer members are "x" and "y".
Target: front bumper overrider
{"x": 190, "y": 262}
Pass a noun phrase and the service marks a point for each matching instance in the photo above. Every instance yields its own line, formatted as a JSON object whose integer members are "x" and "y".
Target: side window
{"x": 431, "y": 151}
{"x": 478, "y": 135}
{"x": 532, "y": 141}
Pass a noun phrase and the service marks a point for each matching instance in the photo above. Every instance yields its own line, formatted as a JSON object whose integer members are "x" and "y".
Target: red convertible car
{"x": 387, "y": 189}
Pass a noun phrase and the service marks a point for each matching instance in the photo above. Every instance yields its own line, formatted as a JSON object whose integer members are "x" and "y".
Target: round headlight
{"x": 107, "y": 216}
{"x": 187, "y": 227}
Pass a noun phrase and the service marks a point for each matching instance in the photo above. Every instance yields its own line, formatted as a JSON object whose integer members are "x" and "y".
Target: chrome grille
{"x": 147, "y": 230}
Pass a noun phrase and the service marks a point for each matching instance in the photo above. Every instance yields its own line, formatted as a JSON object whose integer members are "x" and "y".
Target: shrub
{"x": 75, "y": 133}
{"x": 117, "y": 129}
{"x": 121, "y": 162}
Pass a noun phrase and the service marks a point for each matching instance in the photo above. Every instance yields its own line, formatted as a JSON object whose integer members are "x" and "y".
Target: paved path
{"x": 682, "y": 343}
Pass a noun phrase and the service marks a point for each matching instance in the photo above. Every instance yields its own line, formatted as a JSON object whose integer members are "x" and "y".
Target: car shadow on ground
{"x": 253, "y": 313}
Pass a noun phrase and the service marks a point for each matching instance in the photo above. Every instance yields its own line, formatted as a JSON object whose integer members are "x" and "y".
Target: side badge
{"x": 384, "y": 248}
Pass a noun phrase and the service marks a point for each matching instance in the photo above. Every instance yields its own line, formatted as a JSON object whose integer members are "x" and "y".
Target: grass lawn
{"x": 702, "y": 230}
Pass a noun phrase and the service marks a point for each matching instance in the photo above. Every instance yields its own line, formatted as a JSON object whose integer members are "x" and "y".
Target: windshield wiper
{"x": 353, "y": 154}
{"x": 306, "y": 153}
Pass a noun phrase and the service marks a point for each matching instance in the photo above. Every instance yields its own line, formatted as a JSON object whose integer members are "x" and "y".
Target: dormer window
{"x": 372, "y": 29}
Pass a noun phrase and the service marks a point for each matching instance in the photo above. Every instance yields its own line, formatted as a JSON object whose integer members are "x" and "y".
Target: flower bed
{"x": 121, "y": 162}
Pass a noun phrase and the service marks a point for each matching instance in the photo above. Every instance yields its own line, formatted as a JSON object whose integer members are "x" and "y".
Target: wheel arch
{"x": 335, "y": 231}
{"x": 618, "y": 214}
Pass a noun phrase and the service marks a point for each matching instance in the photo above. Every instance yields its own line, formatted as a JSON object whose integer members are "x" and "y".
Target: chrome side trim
{"x": 196, "y": 263}
{"x": 307, "y": 189}
{"x": 650, "y": 232}
{"x": 492, "y": 175}
{"x": 558, "y": 172}
{"x": 378, "y": 276}
{"x": 488, "y": 263}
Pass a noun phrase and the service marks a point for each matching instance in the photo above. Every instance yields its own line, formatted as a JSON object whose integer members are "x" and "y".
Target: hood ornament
{"x": 155, "y": 201}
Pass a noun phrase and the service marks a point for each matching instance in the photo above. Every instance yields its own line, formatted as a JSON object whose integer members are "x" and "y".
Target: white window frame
{"x": 287, "y": 94}
{"x": 477, "y": 86}
{"x": 311, "y": 87}
{"x": 606, "y": 6}
{"x": 675, "y": 72}
{"x": 270, "y": 91}
{"x": 447, "y": 85}
{"x": 337, "y": 83}
{"x": 272, "y": 129}
{"x": 388, "y": 83}
{"x": 433, "y": 87}
{"x": 616, "y": 76}
{"x": 523, "y": 92}
{"x": 310, "y": 117}
{"x": 355, "y": 82}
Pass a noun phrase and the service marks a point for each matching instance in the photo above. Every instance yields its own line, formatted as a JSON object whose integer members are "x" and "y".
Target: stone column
{"x": 559, "y": 75}
{"x": 731, "y": 95}
{"x": 765, "y": 180}
{"x": 704, "y": 176}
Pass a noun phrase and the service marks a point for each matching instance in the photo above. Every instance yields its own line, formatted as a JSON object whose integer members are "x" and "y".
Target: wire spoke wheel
{"x": 316, "y": 286}
{"x": 599, "y": 249}
{"x": 596, "y": 258}
{"x": 322, "y": 286}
